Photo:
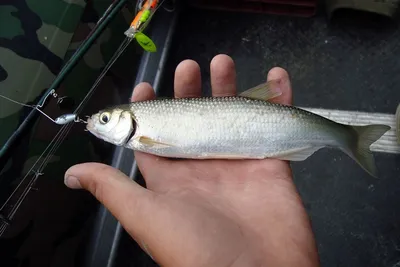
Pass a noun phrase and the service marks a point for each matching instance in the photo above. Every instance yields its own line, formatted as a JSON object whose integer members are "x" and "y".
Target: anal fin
{"x": 298, "y": 154}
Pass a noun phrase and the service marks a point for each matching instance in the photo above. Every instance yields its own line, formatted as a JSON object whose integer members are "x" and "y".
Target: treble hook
{"x": 80, "y": 120}
{"x": 83, "y": 121}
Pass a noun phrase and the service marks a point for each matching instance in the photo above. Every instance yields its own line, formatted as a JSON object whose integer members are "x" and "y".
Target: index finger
{"x": 187, "y": 81}
{"x": 143, "y": 91}
{"x": 286, "y": 87}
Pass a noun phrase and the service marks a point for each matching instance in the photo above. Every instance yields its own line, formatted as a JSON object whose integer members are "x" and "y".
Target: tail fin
{"x": 366, "y": 136}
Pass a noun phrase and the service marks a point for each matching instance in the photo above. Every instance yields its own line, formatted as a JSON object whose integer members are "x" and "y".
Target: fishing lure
{"x": 106, "y": 18}
{"x": 61, "y": 120}
{"x": 144, "y": 12}
{"x": 146, "y": 9}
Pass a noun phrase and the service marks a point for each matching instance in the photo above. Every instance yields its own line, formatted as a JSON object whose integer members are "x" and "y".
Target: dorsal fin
{"x": 264, "y": 91}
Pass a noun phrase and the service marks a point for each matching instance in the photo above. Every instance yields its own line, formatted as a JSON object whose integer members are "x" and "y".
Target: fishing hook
{"x": 77, "y": 119}
{"x": 61, "y": 120}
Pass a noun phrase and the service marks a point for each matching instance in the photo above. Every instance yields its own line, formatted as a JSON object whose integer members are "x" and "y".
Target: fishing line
{"x": 22, "y": 104}
{"x": 151, "y": 16}
{"x": 63, "y": 132}
{"x": 67, "y": 128}
{"x": 29, "y": 185}
{"x": 20, "y": 201}
{"x": 139, "y": 6}
{"x": 26, "y": 190}
{"x": 30, "y": 106}
{"x": 60, "y": 136}
{"x": 116, "y": 55}
{"x": 24, "y": 178}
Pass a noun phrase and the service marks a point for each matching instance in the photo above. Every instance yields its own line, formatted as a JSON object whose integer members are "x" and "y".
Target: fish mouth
{"x": 90, "y": 124}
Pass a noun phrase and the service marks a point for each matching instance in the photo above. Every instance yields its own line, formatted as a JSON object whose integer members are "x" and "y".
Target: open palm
{"x": 207, "y": 212}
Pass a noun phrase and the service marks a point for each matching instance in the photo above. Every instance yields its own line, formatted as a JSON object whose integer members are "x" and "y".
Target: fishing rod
{"x": 105, "y": 19}
{"x": 139, "y": 23}
{"x": 145, "y": 9}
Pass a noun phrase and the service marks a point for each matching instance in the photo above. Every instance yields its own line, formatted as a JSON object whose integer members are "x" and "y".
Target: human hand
{"x": 207, "y": 212}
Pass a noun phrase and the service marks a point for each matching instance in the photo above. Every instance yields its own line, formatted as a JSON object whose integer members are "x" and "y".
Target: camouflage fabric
{"x": 36, "y": 38}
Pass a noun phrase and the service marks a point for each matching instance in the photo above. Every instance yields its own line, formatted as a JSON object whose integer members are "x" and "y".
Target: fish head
{"x": 115, "y": 126}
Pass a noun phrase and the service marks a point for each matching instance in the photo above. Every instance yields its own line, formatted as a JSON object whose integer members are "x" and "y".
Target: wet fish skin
{"x": 116, "y": 129}
{"x": 231, "y": 128}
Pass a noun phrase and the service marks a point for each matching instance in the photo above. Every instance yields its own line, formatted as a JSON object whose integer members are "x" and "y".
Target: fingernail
{"x": 72, "y": 182}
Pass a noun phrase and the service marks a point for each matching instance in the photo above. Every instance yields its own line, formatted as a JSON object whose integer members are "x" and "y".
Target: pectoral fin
{"x": 150, "y": 142}
{"x": 298, "y": 154}
{"x": 264, "y": 91}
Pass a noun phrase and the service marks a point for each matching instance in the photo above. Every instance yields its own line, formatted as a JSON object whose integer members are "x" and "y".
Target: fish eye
{"x": 104, "y": 117}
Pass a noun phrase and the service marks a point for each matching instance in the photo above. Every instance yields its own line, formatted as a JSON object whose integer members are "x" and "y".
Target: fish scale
{"x": 235, "y": 127}
{"x": 212, "y": 126}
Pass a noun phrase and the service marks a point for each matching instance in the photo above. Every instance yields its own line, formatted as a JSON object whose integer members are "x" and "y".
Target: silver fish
{"x": 238, "y": 127}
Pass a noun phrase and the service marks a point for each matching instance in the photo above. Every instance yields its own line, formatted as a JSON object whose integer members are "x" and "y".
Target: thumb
{"x": 129, "y": 202}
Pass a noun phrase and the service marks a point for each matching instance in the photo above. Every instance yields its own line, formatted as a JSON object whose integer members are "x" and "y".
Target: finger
{"x": 187, "y": 79}
{"x": 283, "y": 76}
{"x": 143, "y": 91}
{"x": 223, "y": 76}
{"x": 145, "y": 215}
{"x": 149, "y": 165}
{"x": 130, "y": 203}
